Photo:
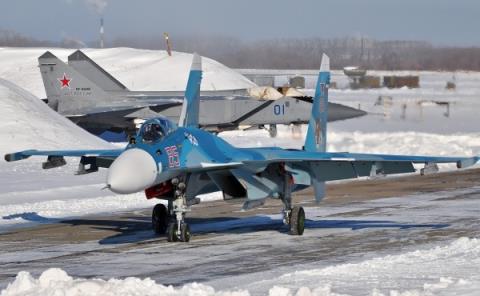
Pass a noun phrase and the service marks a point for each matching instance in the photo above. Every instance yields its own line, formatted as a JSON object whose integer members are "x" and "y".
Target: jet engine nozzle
{"x": 133, "y": 171}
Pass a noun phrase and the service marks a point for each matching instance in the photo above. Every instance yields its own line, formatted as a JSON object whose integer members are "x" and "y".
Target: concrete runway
{"x": 229, "y": 247}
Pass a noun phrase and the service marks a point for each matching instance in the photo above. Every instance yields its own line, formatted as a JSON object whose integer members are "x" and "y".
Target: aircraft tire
{"x": 185, "y": 233}
{"x": 297, "y": 221}
{"x": 160, "y": 219}
{"x": 172, "y": 232}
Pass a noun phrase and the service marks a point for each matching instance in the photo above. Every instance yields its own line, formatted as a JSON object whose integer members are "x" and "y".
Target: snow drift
{"x": 57, "y": 282}
{"x": 450, "y": 269}
{"x": 137, "y": 69}
{"x": 28, "y": 123}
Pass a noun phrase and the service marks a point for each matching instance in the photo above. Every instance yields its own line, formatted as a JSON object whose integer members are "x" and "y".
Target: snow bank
{"x": 28, "y": 123}
{"x": 57, "y": 282}
{"x": 408, "y": 143}
{"x": 442, "y": 270}
{"x": 53, "y": 204}
{"x": 137, "y": 69}
{"x": 451, "y": 269}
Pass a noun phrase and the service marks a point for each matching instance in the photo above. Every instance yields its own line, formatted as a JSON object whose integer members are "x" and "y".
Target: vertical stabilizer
{"x": 86, "y": 66}
{"x": 316, "y": 139}
{"x": 191, "y": 104}
{"x": 67, "y": 89}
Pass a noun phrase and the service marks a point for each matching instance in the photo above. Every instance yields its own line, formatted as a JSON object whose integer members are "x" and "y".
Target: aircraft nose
{"x": 133, "y": 171}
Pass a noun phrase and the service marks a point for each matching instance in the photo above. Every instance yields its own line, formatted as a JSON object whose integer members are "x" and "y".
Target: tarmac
{"x": 229, "y": 245}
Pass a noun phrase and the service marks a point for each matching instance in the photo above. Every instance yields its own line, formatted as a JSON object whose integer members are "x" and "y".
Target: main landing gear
{"x": 297, "y": 221}
{"x": 172, "y": 220}
{"x": 293, "y": 217}
{"x": 160, "y": 219}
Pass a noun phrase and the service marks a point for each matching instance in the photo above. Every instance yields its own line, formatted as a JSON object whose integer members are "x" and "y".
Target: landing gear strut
{"x": 293, "y": 217}
{"x": 177, "y": 229}
{"x": 272, "y": 130}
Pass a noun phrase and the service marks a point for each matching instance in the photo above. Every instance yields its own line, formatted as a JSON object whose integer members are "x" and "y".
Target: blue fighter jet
{"x": 179, "y": 162}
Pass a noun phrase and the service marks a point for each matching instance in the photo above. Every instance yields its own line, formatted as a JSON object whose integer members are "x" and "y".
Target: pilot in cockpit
{"x": 152, "y": 132}
{"x": 156, "y": 129}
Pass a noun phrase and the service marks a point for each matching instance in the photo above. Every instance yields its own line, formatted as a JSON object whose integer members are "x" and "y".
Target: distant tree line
{"x": 10, "y": 38}
{"x": 304, "y": 53}
{"x": 291, "y": 53}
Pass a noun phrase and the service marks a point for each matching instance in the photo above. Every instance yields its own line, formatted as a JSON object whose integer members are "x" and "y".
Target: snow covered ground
{"x": 29, "y": 123}
{"x": 388, "y": 275}
{"x": 415, "y": 245}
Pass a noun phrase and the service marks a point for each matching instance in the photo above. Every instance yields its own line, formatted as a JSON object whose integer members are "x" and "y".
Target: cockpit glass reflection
{"x": 156, "y": 129}
{"x": 152, "y": 133}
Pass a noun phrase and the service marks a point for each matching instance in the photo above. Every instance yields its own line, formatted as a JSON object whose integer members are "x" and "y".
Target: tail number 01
{"x": 279, "y": 109}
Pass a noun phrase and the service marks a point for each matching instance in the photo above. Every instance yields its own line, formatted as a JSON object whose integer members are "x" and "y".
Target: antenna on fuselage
{"x": 189, "y": 116}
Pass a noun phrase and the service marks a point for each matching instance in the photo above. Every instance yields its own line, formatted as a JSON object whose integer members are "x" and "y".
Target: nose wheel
{"x": 177, "y": 229}
{"x": 175, "y": 236}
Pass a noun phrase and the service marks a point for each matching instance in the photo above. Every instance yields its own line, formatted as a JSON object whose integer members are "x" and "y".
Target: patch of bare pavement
{"x": 356, "y": 219}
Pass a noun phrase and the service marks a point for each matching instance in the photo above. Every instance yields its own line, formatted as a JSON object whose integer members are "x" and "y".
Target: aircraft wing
{"x": 331, "y": 166}
{"x": 68, "y": 153}
{"x": 90, "y": 160}
{"x": 278, "y": 155}
{"x": 156, "y": 106}
{"x": 337, "y": 166}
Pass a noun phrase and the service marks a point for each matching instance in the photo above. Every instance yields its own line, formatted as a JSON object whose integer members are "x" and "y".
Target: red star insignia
{"x": 65, "y": 81}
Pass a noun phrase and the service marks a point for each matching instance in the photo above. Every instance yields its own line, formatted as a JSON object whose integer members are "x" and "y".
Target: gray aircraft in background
{"x": 92, "y": 98}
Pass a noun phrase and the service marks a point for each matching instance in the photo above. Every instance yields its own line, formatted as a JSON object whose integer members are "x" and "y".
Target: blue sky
{"x": 441, "y": 22}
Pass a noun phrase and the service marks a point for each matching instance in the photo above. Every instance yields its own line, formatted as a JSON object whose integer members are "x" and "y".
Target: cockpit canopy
{"x": 155, "y": 129}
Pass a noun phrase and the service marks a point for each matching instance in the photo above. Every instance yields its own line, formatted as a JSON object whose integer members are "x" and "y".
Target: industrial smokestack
{"x": 102, "y": 40}
{"x": 167, "y": 41}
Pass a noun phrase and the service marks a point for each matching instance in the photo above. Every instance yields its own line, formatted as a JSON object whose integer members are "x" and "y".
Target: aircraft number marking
{"x": 279, "y": 109}
{"x": 173, "y": 157}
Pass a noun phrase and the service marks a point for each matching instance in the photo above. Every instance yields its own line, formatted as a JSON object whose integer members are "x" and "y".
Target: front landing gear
{"x": 175, "y": 236}
{"x": 178, "y": 230}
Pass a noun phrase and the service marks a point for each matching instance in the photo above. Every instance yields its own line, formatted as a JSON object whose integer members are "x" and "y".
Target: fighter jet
{"x": 179, "y": 162}
{"x": 96, "y": 101}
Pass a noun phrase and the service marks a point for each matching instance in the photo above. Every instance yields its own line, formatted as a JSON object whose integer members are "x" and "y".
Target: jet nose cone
{"x": 133, "y": 171}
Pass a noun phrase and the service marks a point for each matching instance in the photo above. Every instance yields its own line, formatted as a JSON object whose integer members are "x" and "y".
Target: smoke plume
{"x": 97, "y": 5}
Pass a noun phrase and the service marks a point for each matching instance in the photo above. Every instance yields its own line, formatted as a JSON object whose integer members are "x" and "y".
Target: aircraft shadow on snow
{"x": 138, "y": 229}
{"x": 31, "y": 217}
